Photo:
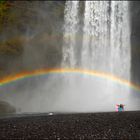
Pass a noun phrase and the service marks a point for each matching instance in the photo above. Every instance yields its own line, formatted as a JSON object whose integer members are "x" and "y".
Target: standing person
{"x": 119, "y": 107}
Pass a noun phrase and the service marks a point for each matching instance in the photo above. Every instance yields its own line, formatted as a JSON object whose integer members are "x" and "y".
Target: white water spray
{"x": 70, "y": 30}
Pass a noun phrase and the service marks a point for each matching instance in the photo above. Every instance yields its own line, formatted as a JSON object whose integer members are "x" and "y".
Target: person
{"x": 120, "y": 108}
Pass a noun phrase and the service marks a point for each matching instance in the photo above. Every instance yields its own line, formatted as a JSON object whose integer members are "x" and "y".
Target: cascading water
{"x": 95, "y": 49}
{"x": 120, "y": 39}
{"x": 70, "y": 30}
{"x": 106, "y": 42}
{"x": 120, "y": 45}
{"x": 106, "y": 48}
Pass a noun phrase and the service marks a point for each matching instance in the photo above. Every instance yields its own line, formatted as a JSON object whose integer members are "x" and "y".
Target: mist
{"x": 53, "y": 93}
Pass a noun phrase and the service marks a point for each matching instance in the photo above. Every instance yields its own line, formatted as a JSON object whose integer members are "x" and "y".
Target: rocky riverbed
{"x": 108, "y": 125}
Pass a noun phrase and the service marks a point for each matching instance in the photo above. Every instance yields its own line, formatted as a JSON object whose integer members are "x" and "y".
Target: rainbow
{"x": 29, "y": 74}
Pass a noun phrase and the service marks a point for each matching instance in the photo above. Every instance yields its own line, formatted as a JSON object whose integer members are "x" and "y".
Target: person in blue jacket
{"x": 121, "y": 107}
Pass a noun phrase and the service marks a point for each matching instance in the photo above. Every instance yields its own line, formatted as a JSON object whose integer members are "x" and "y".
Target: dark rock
{"x": 6, "y": 108}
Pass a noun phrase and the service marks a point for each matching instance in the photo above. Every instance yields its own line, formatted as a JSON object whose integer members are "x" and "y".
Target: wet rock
{"x": 6, "y": 108}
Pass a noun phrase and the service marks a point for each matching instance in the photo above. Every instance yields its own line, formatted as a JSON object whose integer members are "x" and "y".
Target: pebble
{"x": 112, "y": 125}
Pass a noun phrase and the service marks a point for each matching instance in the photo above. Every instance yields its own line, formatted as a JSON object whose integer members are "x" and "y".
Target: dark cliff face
{"x": 6, "y": 108}
{"x": 135, "y": 44}
{"x": 35, "y": 27}
{"x": 135, "y": 41}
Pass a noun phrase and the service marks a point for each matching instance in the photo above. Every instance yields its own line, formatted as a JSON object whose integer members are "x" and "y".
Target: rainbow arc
{"x": 98, "y": 74}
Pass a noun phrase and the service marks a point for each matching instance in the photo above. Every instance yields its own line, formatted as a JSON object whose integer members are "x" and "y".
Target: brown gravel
{"x": 111, "y": 125}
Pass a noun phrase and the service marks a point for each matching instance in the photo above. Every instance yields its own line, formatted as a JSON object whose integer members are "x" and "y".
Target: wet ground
{"x": 113, "y": 125}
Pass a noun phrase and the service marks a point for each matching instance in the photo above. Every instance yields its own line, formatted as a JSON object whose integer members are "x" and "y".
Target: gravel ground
{"x": 111, "y": 125}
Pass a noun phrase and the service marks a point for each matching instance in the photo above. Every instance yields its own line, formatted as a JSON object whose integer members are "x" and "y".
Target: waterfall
{"x": 105, "y": 47}
{"x": 106, "y": 37}
{"x": 95, "y": 35}
{"x": 70, "y": 30}
{"x": 120, "y": 39}
{"x": 106, "y": 41}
